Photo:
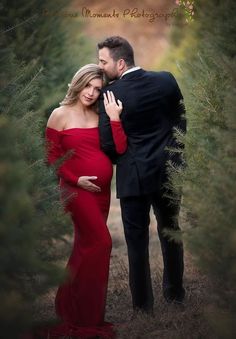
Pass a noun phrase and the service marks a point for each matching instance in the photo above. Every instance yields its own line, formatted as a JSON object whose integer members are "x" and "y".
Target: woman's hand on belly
{"x": 85, "y": 183}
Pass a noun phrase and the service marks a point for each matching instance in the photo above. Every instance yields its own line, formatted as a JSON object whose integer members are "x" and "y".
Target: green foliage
{"x": 35, "y": 67}
{"x": 209, "y": 182}
{"x": 41, "y": 36}
{"x": 26, "y": 189}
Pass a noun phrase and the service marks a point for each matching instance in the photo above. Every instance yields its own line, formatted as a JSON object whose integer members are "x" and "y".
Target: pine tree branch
{"x": 24, "y": 90}
{"x": 18, "y": 25}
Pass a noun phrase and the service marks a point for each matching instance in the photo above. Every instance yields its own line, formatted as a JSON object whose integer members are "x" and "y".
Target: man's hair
{"x": 119, "y": 49}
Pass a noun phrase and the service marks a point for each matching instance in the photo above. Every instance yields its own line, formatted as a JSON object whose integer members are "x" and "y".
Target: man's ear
{"x": 121, "y": 64}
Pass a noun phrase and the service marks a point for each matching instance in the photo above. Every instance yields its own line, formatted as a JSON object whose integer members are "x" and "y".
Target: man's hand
{"x": 112, "y": 108}
{"x": 85, "y": 183}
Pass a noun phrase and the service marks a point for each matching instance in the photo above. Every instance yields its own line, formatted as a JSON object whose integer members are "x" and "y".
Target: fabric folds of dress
{"x": 81, "y": 299}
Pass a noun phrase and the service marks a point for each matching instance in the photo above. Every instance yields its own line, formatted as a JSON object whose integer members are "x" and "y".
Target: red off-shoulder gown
{"x": 80, "y": 301}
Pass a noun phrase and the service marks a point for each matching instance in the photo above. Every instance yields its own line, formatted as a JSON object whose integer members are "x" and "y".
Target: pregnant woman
{"x": 85, "y": 174}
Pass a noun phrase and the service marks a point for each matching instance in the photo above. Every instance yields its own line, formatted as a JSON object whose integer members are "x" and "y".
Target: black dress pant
{"x": 135, "y": 215}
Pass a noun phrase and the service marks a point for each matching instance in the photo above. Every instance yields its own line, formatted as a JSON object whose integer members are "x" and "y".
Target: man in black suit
{"x": 152, "y": 109}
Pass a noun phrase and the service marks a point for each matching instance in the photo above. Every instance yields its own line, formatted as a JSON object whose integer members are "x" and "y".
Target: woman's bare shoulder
{"x": 57, "y": 118}
{"x": 59, "y": 112}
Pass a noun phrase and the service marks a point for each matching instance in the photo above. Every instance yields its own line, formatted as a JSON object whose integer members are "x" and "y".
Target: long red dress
{"x": 80, "y": 301}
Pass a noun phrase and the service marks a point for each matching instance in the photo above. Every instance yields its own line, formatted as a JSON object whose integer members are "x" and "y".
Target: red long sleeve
{"x": 119, "y": 137}
{"x": 54, "y": 152}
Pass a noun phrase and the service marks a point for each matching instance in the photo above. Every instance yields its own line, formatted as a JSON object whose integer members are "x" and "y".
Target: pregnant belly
{"x": 99, "y": 166}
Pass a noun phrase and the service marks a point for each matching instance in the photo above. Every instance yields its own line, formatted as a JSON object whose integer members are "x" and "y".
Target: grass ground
{"x": 170, "y": 321}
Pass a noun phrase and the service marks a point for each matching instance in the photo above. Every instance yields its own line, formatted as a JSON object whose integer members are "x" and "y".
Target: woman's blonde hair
{"x": 79, "y": 81}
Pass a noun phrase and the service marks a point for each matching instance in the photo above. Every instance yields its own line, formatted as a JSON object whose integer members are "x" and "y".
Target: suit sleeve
{"x": 177, "y": 106}
{"x": 178, "y": 114}
{"x": 55, "y": 154}
{"x": 105, "y": 132}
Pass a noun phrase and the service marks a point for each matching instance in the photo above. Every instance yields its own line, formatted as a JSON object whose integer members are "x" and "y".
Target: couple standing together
{"x": 130, "y": 122}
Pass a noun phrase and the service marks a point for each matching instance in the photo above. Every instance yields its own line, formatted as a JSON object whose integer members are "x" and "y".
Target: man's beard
{"x": 110, "y": 79}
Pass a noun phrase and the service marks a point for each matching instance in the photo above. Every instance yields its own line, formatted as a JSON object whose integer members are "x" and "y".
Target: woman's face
{"x": 91, "y": 92}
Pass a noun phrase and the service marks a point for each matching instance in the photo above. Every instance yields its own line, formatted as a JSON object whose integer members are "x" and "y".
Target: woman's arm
{"x": 113, "y": 110}
{"x": 55, "y": 154}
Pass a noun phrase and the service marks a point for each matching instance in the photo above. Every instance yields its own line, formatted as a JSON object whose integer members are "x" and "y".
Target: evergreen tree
{"x": 209, "y": 181}
{"x": 43, "y": 36}
{"x": 34, "y": 66}
{"x": 25, "y": 187}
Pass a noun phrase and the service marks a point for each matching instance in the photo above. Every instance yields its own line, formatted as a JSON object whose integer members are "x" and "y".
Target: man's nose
{"x": 100, "y": 64}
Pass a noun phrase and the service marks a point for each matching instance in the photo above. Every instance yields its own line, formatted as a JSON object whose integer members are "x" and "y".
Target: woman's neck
{"x": 83, "y": 110}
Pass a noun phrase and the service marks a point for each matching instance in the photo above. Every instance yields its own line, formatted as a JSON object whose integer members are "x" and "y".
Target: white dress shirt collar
{"x": 130, "y": 70}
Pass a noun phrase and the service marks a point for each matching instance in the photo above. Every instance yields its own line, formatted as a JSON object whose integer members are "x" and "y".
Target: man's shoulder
{"x": 163, "y": 78}
{"x": 160, "y": 74}
{"x": 113, "y": 86}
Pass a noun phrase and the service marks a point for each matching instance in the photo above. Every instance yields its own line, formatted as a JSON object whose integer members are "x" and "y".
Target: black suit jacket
{"x": 152, "y": 108}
